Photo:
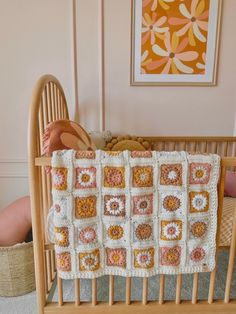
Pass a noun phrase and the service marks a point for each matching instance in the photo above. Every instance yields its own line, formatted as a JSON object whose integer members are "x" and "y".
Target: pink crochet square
{"x": 199, "y": 173}
{"x": 116, "y": 257}
{"x": 143, "y": 204}
{"x": 63, "y": 261}
{"x": 85, "y": 178}
{"x": 170, "y": 255}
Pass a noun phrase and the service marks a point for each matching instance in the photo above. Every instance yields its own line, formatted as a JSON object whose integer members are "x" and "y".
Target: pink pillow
{"x": 230, "y": 184}
{"x": 65, "y": 134}
{"x": 15, "y": 222}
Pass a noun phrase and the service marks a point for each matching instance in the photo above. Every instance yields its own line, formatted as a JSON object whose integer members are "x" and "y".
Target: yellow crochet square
{"x": 144, "y": 258}
{"x": 114, "y": 177}
{"x": 61, "y": 236}
{"x": 171, "y": 174}
{"x": 89, "y": 261}
{"x": 199, "y": 202}
{"x": 59, "y": 179}
{"x": 171, "y": 230}
{"x": 85, "y": 207}
{"x": 142, "y": 176}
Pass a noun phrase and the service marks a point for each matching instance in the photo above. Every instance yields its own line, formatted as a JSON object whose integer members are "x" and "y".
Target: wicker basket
{"x": 17, "y": 270}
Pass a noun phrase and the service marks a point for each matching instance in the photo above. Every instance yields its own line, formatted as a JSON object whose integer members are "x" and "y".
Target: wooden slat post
{"x": 77, "y": 292}
{"x": 111, "y": 290}
{"x": 60, "y": 291}
{"x": 145, "y": 291}
{"x": 162, "y": 289}
{"x": 94, "y": 291}
{"x": 178, "y": 289}
{"x": 195, "y": 288}
{"x": 128, "y": 291}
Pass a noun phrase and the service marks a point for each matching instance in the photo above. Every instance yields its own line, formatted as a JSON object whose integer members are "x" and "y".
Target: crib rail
{"x": 226, "y": 162}
{"x": 223, "y": 146}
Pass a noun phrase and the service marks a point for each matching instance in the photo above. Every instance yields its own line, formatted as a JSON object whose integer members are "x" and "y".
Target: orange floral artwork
{"x": 173, "y": 38}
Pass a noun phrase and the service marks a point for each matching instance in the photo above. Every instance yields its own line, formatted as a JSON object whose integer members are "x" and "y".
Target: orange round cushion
{"x": 15, "y": 222}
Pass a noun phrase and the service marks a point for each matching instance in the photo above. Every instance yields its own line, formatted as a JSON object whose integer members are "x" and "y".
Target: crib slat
{"x": 111, "y": 290}
{"x": 128, "y": 291}
{"x": 52, "y": 264}
{"x": 145, "y": 291}
{"x": 162, "y": 289}
{"x": 178, "y": 289}
{"x": 77, "y": 292}
{"x": 45, "y": 274}
{"x": 60, "y": 291}
{"x": 195, "y": 288}
{"x": 230, "y": 270}
{"x": 48, "y": 263}
{"x": 94, "y": 291}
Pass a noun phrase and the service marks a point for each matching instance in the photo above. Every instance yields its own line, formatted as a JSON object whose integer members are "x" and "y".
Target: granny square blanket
{"x": 134, "y": 213}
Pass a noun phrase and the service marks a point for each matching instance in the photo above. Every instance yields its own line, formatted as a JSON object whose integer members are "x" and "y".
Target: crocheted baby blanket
{"x": 134, "y": 213}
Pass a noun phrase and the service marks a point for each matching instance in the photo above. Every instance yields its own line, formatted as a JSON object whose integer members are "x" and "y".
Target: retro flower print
{"x": 152, "y": 27}
{"x": 155, "y": 3}
{"x": 175, "y": 41}
{"x": 173, "y": 56}
{"x": 193, "y": 21}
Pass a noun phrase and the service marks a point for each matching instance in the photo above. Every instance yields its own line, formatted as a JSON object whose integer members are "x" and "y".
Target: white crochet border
{"x": 66, "y": 158}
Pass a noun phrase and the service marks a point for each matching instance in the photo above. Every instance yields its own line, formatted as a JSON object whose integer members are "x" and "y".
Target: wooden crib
{"x": 49, "y": 104}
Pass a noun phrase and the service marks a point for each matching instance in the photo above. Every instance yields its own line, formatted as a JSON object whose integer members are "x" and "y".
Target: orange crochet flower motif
{"x": 115, "y": 232}
{"x": 85, "y": 154}
{"x": 199, "y": 202}
{"x": 85, "y": 178}
{"x": 141, "y": 154}
{"x": 116, "y": 257}
{"x": 59, "y": 178}
{"x": 199, "y": 173}
{"x": 171, "y": 230}
{"x": 114, "y": 205}
{"x": 170, "y": 256}
{"x": 114, "y": 177}
{"x": 143, "y": 231}
{"x": 63, "y": 261}
{"x": 171, "y": 203}
{"x": 171, "y": 174}
{"x": 143, "y": 204}
{"x": 87, "y": 235}
{"x": 85, "y": 207}
{"x": 144, "y": 258}
{"x": 142, "y": 176}
{"x": 62, "y": 236}
{"x": 198, "y": 229}
{"x": 89, "y": 261}
{"x": 197, "y": 254}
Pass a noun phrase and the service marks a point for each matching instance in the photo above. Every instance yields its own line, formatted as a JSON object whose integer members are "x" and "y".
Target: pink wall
{"x": 150, "y": 110}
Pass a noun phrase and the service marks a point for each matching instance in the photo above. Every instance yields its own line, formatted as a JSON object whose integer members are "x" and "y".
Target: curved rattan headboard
{"x": 48, "y": 104}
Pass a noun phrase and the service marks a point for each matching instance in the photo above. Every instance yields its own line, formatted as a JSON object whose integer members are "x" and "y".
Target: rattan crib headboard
{"x": 49, "y": 104}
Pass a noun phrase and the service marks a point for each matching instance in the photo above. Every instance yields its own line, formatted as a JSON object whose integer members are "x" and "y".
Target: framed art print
{"x": 175, "y": 42}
